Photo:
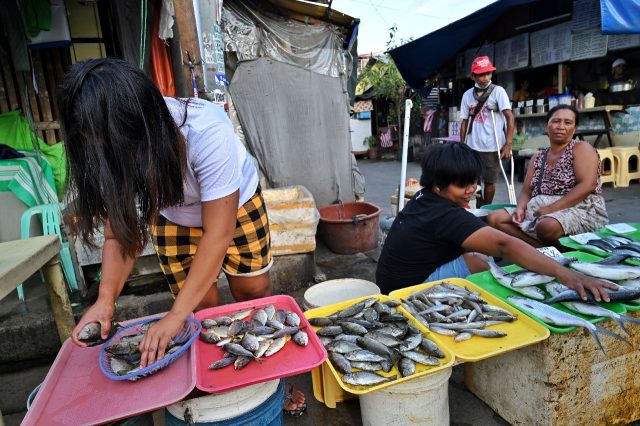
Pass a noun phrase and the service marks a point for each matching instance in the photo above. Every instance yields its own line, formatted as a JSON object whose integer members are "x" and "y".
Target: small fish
{"x": 486, "y": 333}
{"x": 461, "y": 337}
{"x": 285, "y": 332}
{"x": 119, "y": 366}
{"x": 351, "y": 310}
{"x": 366, "y": 366}
{"x": 292, "y": 319}
{"x": 443, "y": 331}
{"x": 363, "y": 355}
{"x": 249, "y": 342}
{"x": 90, "y": 332}
{"x": 528, "y": 278}
{"x": 340, "y": 363}
{"x": 353, "y": 338}
{"x": 276, "y": 346}
{"x": 370, "y": 314}
{"x": 365, "y": 378}
{"x": 331, "y": 330}
{"x": 325, "y": 340}
{"x": 410, "y": 343}
{"x": 236, "y": 327}
{"x": 123, "y": 349}
{"x": 622, "y": 294}
{"x": 240, "y": 315}
{"x": 221, "y": 363}
{"x": 431, "y": 348}
{"x": 280, "y": 316}
{"x": 342, "y": 347}
{"x": 384, "y": 338}
{"x": 237, "y": 349}
{"x": 407, "y": 367}
{"x": 271, "y": 311}
{"x": 320, "y": 321}
{"x": 375, "y": 347}
{"x": 260, "y": 317}
{"x": 420, "y": 358}
{"x": 505, "y": 279}
{"x": 274, "y": 324}
{"x": 241, "y": 362}
{"x": 353, "y": 328}
{"x": 262, "y": 348}
{"x": 301, "y": 338}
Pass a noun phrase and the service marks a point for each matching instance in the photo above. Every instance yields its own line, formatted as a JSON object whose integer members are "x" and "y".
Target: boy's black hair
{"x": 563, "y": 106}
{"x": 450, "y": 163}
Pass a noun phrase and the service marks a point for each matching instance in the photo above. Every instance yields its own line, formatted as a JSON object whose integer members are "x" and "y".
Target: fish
{"x": 421, "y": 358}
{"x": 504, "y": 279}
{"x": 353, "y": 328}
{"x": 123, "y": 349}
{"x": 260, "y": 317}
{"x": 607, "y": 272}
{"x": 119, "y": 366}
{"x": 292, "y": 319}
{"x": 342, "y": 346}
{"x": 270, "y": 311}
{"x": 486, "y": 333}
{"x": 553, "y": 316}
{"x": 410, "y": 343}
{"x": 221, "y": 363}
{"x": 236, "y": 327}
{"x": 237, "y": 349}
{"x": 591, "y": 309}
{"x": 461, "y": 337}
{"x": 366, "y": 378}
{"x": 351, "y": 310}
{"x": 249, "y": 342}
{"x": 370, "y": 314}
{"x": 287, "y": 331}
{"x": 276, "y": 325}
{"x": 622, "y": 294}
{"x": 353, "y": 338}
{"x": 443, "y": 331}
{"x": 528, "y": 278}
{"x": 90, "y": 332}
{"x": 431, "y": 348}
{"x": 407, "y": 367}
{"x": 241, "y": 362}
{"x": 330, "y": 330}
{"x": 363, "y": 355}
{"x": 340, "y": 362}
{"x": 320, "y": 321}
{"x": 240, "y": 315}
{"x": 301, "y": 338}
{"x": 366, "y": 365}
{"x": 262, "y": 348}
{"x": 276, "y": 346}
{"x": 384, "y": 338}
{"x": 375, "y": 347}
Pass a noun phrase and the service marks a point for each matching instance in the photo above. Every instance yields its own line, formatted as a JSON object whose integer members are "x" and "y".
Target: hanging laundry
{"x": 386, "y": 139}
{"x": 428, "y": 120}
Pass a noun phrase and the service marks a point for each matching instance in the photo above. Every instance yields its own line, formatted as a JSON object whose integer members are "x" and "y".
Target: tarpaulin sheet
{"x": 420, "y": 58}
{"x": 313, "y": 149}
{"x": 620, "y": 17}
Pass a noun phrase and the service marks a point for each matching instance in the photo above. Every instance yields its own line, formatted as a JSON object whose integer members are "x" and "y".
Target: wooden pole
{"x": 186, "y": 22}
{"x": 60, "y": 305}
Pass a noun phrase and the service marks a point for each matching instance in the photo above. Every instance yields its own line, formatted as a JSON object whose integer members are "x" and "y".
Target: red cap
{"x": 482, "y": 64}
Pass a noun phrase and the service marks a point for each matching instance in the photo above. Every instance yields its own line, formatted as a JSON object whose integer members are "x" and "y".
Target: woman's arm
{"x": 585, "y": 166}
{"x": 492, "y": 242}
{"x": 115, "y": 271}
{"x": 219, "y": 224}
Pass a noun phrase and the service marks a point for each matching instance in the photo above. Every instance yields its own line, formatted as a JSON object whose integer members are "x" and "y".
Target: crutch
{"x": 510, "y": 188}
{"x": 466, "y": 137}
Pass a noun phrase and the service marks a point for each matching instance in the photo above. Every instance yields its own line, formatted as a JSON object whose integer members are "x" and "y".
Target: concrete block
{"x": 565, "y": 380}
{"x": 292, "y": 272}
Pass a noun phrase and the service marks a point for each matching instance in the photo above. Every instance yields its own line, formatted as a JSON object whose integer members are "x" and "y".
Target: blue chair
{"x": 50, "y": 218}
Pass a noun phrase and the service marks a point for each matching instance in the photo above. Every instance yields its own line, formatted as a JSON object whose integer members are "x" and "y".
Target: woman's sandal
{"x": 297, "y": 412}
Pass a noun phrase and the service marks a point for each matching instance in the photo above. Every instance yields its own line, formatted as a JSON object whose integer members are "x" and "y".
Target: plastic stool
{"x": 50, "y": 218}
{"x": 607, "y": 166}
{"x": 627, "y": 161}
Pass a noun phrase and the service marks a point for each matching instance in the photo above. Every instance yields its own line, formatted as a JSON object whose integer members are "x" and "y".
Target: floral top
{"x": 560, "y": 179}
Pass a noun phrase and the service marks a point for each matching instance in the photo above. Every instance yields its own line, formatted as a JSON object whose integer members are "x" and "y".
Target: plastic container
{"x": 589, "y": 100}
{"x": 257, "y": 405}
{"x": 520, "y": 333}
{"x": 421, "y": 370}
{"x": 487, "y": 282}
{"x": 350, "y": 227}
{"x": 76, "y": 392}
{"x": 424, "y": 400}
{"x": 325, "y": 386}
{"x": 292, "y": 359}
{"x": 334, "y": 291}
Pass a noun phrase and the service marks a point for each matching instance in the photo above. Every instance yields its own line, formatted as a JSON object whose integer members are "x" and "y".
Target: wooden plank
{"x": 4, "y": 100}
{"x": 47, "y": 125}
{"x": 12, "y": 92}
{"x": 186, "y": 21}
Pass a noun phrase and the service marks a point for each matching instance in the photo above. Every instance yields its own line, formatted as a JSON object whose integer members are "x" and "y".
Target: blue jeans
{"x": 457, "y": 268}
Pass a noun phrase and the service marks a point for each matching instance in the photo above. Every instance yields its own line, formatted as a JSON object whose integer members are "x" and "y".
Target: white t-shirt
{"x": 482, "y": 137}
{"x": 217, "y": 163}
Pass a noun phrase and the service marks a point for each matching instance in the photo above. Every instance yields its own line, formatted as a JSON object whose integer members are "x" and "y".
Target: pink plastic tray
{"x": 291, "y": 360}
{"x": 76, "y": 392}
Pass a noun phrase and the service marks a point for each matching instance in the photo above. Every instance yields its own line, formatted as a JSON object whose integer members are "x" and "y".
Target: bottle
{"x": 580, "y": 101}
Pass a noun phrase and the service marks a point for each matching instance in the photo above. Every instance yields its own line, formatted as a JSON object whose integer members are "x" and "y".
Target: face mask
{"x": 478, "y": 86}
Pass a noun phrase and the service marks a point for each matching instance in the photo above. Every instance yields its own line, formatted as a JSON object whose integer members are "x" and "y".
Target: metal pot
{"x": 620, "y": 87}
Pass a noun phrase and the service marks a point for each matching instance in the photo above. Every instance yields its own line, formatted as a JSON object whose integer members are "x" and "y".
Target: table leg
{"x": 60, "y": 305}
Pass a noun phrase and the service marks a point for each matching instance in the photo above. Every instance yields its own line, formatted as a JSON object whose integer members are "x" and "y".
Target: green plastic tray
{"x": 603, "y": 232}
{"x": 487, "y": 282}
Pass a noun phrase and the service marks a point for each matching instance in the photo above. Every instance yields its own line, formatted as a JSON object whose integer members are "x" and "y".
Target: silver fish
{"x": 461, "y": 337}
{"x": 410, "y": 343}
{"x": 384, "y": 338}
{"x": 320, "y": 321}
{"x": 280, "y": 316}
{"x": 375, "y": 347}
{"x": 276, "y": 346}
{"x": 342, "y": 346}
{"x": 301, "y": 338}
{"x": 331, "y": 330}
{"x": 363, "y": 355}
{"x": 622, "y": 294}
{"x": 236, "y": 349}
{"x": 528, "y": 278}
{"x": 271, "y": 311}
{"x": 366, "y": 366}
{"x": 505, "y": 280}
{"x": 553, "y": 316}
{"x": 274, "y": 324}
{"x": 90, "y": 334}
{"x": 285, "y": 332}
{"x": 340, "y": 363}
{"x": 353, "y": 338}
{"x": 486, "y": 333}
{"x": 119, "y": 366}
{"x": 241, "y": 314}
{"x": 351, "y": 310}
{"x": 262, "y": 348}
{"x": 407, "y": 367}
{"x": 365, "y": 378}
{"x": 249, "y": 342}
{"x": 431, "y": 348}
{"x": 241, "y": 362}
{"x": 607, "y": 272}
{"x": 353, "y": 328}
{"x": 443, "y": 331}
{"x": 221, "y": 363}
{"x": 421, "y": 358}
{"x": 260, "y": 316}
{"x": 292, "y": 319}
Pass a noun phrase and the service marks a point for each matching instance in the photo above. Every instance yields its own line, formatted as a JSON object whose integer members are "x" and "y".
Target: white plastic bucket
{"x": 233, "y": 407}
{"x": 335, "y": 291}
{"x": 422, "y": 401}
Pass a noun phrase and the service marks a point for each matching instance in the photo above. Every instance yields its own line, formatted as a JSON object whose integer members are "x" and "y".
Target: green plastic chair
{"x": 50, "y": 218}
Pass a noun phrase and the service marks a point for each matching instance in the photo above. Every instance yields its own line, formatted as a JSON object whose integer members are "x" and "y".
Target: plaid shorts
{"x": 249, "y": 253}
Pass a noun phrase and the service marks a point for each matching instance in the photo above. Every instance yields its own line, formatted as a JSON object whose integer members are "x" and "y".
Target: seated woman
{"x": 561, "y": 194}
{"x": 434, "y": 238}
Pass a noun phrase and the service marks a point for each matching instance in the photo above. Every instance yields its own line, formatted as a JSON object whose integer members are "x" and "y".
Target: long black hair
{"x": 126, "y": 157}
{"x": 444, "y": 164}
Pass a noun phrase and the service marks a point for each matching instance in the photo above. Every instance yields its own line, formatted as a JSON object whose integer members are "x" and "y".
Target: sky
{"x": 414, "y": 18}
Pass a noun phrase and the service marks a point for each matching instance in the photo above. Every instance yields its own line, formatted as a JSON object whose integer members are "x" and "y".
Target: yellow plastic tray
{"x": 421, "y": 370}
{"x": 522, "y": 332}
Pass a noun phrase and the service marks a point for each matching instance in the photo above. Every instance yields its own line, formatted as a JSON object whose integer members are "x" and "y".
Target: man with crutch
{"x": 481, "y": 131}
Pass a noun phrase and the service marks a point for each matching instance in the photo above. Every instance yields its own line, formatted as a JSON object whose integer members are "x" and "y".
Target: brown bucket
{"x": 350, "y": 227}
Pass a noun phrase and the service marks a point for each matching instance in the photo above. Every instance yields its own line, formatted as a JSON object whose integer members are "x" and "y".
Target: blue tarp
{"x": 620, "y": 16}
{"x": 419, "y": 59}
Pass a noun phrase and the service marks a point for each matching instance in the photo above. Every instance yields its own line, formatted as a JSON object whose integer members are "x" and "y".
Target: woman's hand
{"x": 581, "y": 283}
{"x": 100, "y": 312}
{"x": 518, "y": 215}
{"x": 542, "y": 211}
{"x": 157, "y": 338}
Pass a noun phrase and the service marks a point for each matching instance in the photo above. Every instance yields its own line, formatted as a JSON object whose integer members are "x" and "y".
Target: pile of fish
{"x": 615, "y": 244}
{"x": 124, "y": 356}
{"x": 452, "y": 310}
{"x": 244, "y": 340}
{"x": 370, "y": 337}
